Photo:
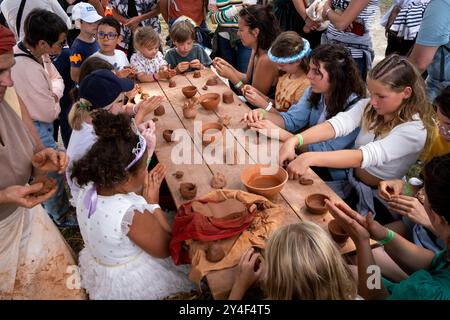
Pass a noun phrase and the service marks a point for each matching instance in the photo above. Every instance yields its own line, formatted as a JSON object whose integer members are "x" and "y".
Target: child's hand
{"x": 133, "y": 92}
{"x": 153, "y": 182}
{"x": 147, "y": 130}
{"x": 246, "y": 274}
{"x": 253, "y": 116}
{"x": 196, "y": 64}
{"x": 126, "y": 72}
{"x": 145, "y": 107}
{"x": 254, "y": 96}
{"x": 412, "y": 208}
{"x": 389, "y": 188}
{"x": 182, "y": 66}
{"x": 299, "y": 166}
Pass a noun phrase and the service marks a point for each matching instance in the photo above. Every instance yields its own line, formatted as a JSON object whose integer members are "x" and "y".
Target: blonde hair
{"x": 302, "y": 262}
{"x": 78, "y": 114}
{"x": 146, "y": 36}
{"x": 397, "y": 73}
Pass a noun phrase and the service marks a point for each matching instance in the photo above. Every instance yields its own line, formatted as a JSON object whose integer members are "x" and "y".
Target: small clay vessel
{"x": 211, "y": 126}
{"x": 316, "y": 203}
{"x": 197, "y": 74}
{"x": 155, "y": 119}
{"x": 189, "y": 91}
{"x": 227, "y": 97}
{"x": 306, "y": 181}
{"x": 167, "y": 135}
{"x": 172, "y": 83}
{"x": 188, "y": 190}
{"x": 205, "y": 87}
{"x": 189, "y": 113}
{"x": 179, "y": 174}
{"x": 209, "y": 101}
{"x": 212, "y": 81}
{"x": 337, "y": 232}
{"x": 218, "y": 181}
{"x": 159, "y": 111}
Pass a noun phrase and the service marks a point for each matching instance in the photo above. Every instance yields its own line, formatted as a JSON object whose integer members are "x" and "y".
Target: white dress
{"x": 111, "y": 265}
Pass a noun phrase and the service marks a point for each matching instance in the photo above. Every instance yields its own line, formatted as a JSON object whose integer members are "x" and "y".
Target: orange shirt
{"x": 193, "y": 9}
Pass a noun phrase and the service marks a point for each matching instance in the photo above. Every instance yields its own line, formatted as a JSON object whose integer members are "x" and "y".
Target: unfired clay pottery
{"x": 337, "y": 232}
{"x": 188, "y": 190}
{"x": 306, "y": 181}
{"x": 205, "y": 87}
{"x": 197, "y": 74}
{"x": 212, "y": 81}
{"x": 179, "y": 174}
{"x": 155, "y": 119}
{"x": 159, "y": 111}
{"x": 167, "y": 135}
{"x": 218, "y": 181}
{"x": 209, "y": 101}
{"x": 189, "y": 91}
{"x": 264, "y": 180}
{"x": 316, "y": 203}
{"x": 227, "y": 97}
{"x": 190, "y": 109}
{"x": 207, "y": 137}
{"x": 172, "y": 83}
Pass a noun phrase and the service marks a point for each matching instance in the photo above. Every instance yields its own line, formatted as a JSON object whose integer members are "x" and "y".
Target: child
{"x": 300, "y": 262}
{"x": 100, "y": 89}
{"x": 108, "y": 32}
{"x": 85, "y": 44}
{"x": 126, "y": 235}
{"x": 335, "y": 86}
{"x": 393, "y": 133}
{"x": 429, "y": 272}
{"x": 187, "y": 55}
{"x": 148, "y": 60}
{"x": 290, "y": 52}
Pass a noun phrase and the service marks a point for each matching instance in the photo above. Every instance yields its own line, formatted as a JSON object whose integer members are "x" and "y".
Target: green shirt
{"x": 427, "y": 284}
{"x": 173, "y": 58}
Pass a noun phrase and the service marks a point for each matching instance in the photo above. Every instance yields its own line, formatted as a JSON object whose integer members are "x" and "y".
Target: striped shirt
{"x": 408, "y": 20}
{"x": 226, "y": 16}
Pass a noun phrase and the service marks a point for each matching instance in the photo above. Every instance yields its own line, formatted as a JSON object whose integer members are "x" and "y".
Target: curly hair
{"x": 442, "y": 101}
{"x": 105, "y": 162}
{"x": 343, "y": 74}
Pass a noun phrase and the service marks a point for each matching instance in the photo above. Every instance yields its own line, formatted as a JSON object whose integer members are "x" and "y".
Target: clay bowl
{"x": 189, "y": 91}
{"x": 337, "y": 232}
{"x": 214, "y": 127}
{"x": 267, "y": 184}
{"x": 316, "y": 203}
{"x": 209, "y": 101}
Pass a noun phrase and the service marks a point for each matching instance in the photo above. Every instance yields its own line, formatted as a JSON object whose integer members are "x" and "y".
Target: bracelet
{"x": 388, "y": 238}
{"x": 239, "y": 84}
{"x": 269, "y": 106}
{"x": 300, "y": 140}
{"x": 264, "y": 112}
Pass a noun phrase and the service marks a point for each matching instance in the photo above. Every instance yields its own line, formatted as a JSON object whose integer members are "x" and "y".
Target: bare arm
{"x": 118, "y": 16}
{"x": 300, "y": 7}
{"x": 343, "y": 20}
{"x": 264, "y": 75}
{"x": 75, "y": 74}
{"x": 98, "y": 6}
{"x": 421, "y": 56}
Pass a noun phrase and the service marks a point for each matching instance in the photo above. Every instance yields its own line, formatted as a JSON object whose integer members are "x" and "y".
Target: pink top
{"x": 35, "y": 85}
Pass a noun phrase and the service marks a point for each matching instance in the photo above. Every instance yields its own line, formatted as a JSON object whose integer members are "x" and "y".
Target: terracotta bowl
{"x": 267, "y": 185}
{"x": 337, "y": 232}
{"x": 209, "y": 101}
{"x": 316, "y": 203}
{"x": 217, "y": 131}
{"x": 189, "y": 91}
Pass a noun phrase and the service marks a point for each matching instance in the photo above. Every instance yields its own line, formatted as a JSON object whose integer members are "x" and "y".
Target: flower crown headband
{"x": 296, "y": 57}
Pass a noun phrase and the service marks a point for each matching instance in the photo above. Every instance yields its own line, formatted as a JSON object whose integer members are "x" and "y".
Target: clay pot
{"x": 159, "y": 111}
{"x": 172, "y": 83}
{"x": 265, "y": 180}
{"x": 179, "y": 174}
{"x": 189, "y": 91}
{"x": 188, "y": 190}
{"x": 212, "y": 81}
{"x": 197, "y": 74}
{"x": 209, "y": 101}
{"x": 227, "y": 97}
{"x": 211, "y": 126}
{"x": 167, "y": 135}
{"x": 218, "y": 181}
{"x": 337, "y": 232}
{"x": 316, "y": 203}
{"x": 189, "y": 113}
{"x": 306, "y": 181}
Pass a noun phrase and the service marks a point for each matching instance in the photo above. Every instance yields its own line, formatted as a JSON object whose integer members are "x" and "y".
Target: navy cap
{"x": 102, "y": 87}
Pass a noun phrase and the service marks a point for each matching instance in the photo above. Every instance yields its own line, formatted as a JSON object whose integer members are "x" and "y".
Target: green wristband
{"x": 239, "y": 84}
{"x": 264, "y": 112}
{"x": 388, "y": 239}
{"x": 300, "y": 140}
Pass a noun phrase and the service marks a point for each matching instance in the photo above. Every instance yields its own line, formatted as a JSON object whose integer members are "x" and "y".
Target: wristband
{"x": 388, "y": 239}
{"x": 264, "y": 112}
{"x": 300, "y": 140}
{"x": 269, "y": 106}
{"x": 239, "y": 84}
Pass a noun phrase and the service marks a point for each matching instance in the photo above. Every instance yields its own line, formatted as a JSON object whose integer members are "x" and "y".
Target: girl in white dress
{"x": 126, "y": 235}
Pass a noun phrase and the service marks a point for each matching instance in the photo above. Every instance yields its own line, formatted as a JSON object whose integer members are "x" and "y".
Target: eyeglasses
{"x": 109, "y": 35}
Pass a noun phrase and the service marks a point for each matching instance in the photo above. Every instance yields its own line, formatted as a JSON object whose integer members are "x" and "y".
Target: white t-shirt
{"x": 118, "y": 60}
{"x": 387, "y": 157}
{"x": 80, "y": 143}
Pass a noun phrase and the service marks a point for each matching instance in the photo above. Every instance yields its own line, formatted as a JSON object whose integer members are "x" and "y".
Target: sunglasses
{"x": 109, "y": 35}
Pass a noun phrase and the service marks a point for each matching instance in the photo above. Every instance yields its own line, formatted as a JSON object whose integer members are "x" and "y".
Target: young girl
{"x": 335, "y": 86}
{"x": 300, "y": 262}
{"x": 393, "y": 132}
{"x": 258, "y": 28}
{"x": 290, "y": 52}
{"x": 148, "y": 60}
{"x": 429, "y": 272}
{"x": 126, "y": 235}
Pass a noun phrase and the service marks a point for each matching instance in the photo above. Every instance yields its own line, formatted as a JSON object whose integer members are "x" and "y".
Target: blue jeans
{"x": 362, "y": 67}
{"x": 238, "y": 57}
{"x": 58, "y": 204}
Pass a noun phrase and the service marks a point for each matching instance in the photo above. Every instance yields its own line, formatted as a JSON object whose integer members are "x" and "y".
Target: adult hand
{"x": 23, "y": 196}
{"x": 389, "y": 188}
{"x": 224, "y": 69}
{"x": 412, "y": 208}
{"x": 50, "y": 160}
{"x": 253, "y": 116}
{"x": 152, "y": 183}
{"x": 182, "y": 66}
{"x": 196, "y": 64}
{"x": 147, "y": 130}
{"x": 287, "y": 151}
{"x": 133, "y": 23}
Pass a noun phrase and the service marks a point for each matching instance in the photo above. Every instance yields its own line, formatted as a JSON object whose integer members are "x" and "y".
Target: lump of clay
{"x": 212, "y": 81}
{"x": 218, "y": 181}
{"x": 172, "y": 83}
{"x": 205, "y": 87}
{"x": 155, "y": 119}
{"x": 167, "y": 135}
{"x": 225, "y": 120}
{"x": 227, "y": 97}
{"x": 305, "y": 181}
{"x": 48, "y": 185}
{"x": 188, "y": 190}
{"x": 159, "y": 111}
{"x": 214, "y": 252}
{"x": 179, "y": 174}
{"x": 197, "y": 74}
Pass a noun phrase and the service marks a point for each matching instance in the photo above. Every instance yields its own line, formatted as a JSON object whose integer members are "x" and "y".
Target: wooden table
{"x": 293, "y": 195}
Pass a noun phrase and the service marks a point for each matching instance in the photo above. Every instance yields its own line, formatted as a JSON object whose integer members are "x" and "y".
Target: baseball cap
{"x": 86, "y": 12}
{"x": 102, "y": 87}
